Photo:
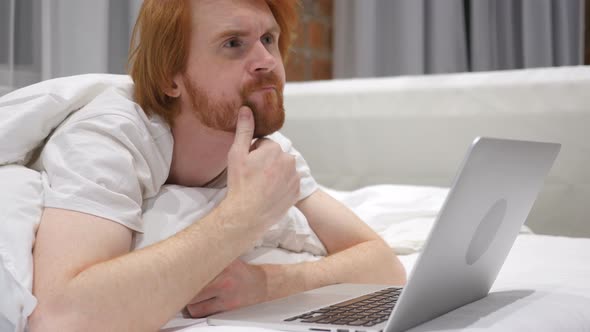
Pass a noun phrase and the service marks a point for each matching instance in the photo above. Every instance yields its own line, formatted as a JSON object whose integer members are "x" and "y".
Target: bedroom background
{"x": 42, "y": 39}
{"x": 436, "y": 115}
{"x": 337, "y": 39}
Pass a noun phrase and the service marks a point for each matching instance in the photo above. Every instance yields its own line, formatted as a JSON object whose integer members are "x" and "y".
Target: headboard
{"x": 416, "y": 130}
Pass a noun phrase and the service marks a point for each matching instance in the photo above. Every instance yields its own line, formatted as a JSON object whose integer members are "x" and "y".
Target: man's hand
{"x": 262, "y": 180}
{"x": 239, "y": 285}
{"x": 262, "y": 185}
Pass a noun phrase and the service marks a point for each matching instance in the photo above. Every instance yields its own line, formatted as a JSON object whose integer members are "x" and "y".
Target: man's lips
{"x": 263, "y": 90}
{"x": 267, "y": 88}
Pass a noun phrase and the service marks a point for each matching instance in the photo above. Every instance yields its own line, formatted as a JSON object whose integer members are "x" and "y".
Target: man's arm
{"x": 86, "y": 279}
{"x": 356, "y": 255}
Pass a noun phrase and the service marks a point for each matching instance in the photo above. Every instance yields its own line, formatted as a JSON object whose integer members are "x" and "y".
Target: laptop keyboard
{"x": 366, "y": 310}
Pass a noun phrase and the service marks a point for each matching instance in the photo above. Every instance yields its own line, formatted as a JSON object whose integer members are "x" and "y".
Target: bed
{"x": 543, "y": 286}
{"x": 413, "y": 132}
{"x": 399, "y": 142}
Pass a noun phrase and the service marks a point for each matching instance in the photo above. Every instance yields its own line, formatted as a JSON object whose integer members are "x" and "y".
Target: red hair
{"x": 160, "y": 47}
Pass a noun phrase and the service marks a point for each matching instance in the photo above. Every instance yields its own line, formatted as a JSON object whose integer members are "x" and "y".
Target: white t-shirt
{"x": 108, "y": 157}
{"x": 105, "y": 158}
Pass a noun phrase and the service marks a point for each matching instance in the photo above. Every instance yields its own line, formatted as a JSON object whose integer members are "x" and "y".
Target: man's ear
{"x": 173, "y": 90}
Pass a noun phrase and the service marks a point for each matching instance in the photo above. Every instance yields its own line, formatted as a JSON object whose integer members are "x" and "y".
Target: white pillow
{"x": 402, "y": 215}
{"x": 21, "y": 205}
{"x": 176, "y": 207}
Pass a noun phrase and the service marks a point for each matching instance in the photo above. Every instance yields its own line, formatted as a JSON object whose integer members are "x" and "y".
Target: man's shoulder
{"x": 111, "y": 103}
{"x": 116, "y": 109}
{"x": 112, "y": 115}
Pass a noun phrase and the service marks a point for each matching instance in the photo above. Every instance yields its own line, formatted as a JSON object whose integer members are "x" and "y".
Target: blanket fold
{"x": 41, "y": 107}
{"x": 27, "y": 118}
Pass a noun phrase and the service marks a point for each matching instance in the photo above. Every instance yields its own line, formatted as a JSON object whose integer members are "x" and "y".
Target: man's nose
{"x": 261, "y": 59}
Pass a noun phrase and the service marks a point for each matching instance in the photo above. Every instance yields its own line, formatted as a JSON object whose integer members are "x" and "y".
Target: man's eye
{"x": 268, "y": 39}
{"x": 233, "y": 43}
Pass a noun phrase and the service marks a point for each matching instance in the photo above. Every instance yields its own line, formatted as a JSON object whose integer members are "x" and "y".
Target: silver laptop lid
{"x": 490, "y": 199}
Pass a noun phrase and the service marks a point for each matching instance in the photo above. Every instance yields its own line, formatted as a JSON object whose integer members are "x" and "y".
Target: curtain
{"x": 405, "y": 37}
{"x": 42, "y": 39}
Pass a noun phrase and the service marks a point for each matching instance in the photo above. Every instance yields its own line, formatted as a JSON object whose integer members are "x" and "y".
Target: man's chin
{"x": 264, "y": 133}
{"x": 266, "y": 125}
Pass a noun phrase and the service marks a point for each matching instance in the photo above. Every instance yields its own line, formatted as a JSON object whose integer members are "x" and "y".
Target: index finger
{"x": 244, "y": 130}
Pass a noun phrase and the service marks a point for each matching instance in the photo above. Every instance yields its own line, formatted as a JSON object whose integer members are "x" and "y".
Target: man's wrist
{"x": 236, "y": 219}
{"x": 284, "y": 280}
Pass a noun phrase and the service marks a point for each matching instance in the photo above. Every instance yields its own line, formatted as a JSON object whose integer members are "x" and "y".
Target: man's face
{"x": 234, "y": 60}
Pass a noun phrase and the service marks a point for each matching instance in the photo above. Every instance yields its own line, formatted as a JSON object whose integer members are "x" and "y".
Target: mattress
{"x": 543, "y": 286}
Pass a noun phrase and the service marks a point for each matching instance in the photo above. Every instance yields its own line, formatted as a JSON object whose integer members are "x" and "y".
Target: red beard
{"x": 268, "y": 118}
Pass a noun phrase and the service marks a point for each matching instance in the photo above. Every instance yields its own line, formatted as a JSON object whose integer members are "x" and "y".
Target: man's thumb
{"x": 244, "y": 130}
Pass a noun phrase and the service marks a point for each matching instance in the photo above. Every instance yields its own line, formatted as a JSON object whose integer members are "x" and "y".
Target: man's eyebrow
{"x": 231, "y": 32}
{"x": 237, "y": 32}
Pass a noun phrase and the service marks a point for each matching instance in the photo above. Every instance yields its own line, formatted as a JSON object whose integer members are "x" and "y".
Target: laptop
{"x": 489, "y": 201}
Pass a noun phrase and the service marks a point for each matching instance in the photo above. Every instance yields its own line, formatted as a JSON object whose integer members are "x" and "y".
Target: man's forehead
{"x": 223, "y": 15}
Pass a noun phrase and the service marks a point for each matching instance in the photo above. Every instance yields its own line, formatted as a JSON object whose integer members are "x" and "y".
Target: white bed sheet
{"x": 543, "y": 286}
{"x": 543, "y": 272}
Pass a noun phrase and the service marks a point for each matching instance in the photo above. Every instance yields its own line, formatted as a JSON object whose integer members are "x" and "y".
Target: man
{"x": 210, "y": 75}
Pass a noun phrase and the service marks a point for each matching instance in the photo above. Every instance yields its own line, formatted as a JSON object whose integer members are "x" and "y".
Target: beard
{"x": 222, "y": 115}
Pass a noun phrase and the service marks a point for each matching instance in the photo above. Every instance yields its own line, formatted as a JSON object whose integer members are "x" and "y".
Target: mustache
{"x": 260, "y": 81}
